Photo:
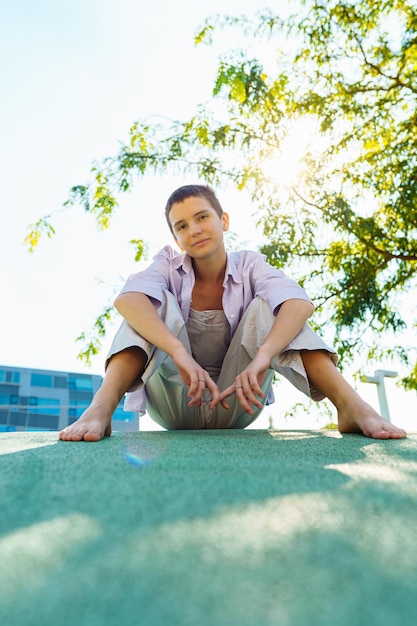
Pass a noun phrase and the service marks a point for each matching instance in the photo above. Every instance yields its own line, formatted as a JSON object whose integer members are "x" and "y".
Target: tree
{"x": 349, "y": 223}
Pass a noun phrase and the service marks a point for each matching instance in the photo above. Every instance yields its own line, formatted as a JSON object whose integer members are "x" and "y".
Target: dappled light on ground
{"x": 30, "y": 555}
{"x": 296, "y": 528}
{"x": 380, "y": 468}
{"x": 20, "y": 445}
{"x": 296, "y": 435}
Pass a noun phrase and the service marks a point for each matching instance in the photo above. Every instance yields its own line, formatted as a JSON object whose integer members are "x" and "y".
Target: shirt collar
{"x": 232, "y": 270}
{"x": 184, "y": 261}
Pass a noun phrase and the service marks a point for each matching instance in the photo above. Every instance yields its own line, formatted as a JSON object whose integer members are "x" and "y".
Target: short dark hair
{"x": 192, "y": 191}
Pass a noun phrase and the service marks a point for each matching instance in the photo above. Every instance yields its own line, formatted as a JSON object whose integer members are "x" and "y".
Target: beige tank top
{"x": 209, "y": 334}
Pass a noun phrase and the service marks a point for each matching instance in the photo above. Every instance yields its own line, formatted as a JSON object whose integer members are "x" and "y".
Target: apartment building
{"x": 38, "y": 399}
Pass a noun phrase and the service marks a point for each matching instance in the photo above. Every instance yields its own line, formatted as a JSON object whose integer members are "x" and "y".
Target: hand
{"x": 247, "y": 385}
{"x": 197, "y": 379}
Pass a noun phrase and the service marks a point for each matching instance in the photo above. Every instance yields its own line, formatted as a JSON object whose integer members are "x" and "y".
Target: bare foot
{"x": 360, "y": 417}
{"x": 93, "y": 425}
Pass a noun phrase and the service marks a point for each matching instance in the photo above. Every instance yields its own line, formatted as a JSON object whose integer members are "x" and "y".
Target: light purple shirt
{"x": 247, "y": 275}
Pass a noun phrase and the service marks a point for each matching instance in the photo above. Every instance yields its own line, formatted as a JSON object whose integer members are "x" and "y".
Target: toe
{"x": 388, "y": 432}
{"x": 71, "y": 434}
{"x": 92, "y": 436}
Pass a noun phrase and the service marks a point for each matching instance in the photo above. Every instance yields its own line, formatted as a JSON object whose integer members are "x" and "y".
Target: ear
{"x": 225, "y": 220}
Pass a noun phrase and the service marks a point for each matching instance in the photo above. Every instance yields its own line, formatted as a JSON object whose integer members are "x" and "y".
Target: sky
{"x": 74, "y": 77}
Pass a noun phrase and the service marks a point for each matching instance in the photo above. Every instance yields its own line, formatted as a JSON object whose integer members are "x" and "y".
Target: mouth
{"x": 200, "y": 242}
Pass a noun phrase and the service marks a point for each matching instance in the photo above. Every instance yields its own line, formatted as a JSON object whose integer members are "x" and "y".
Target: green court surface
{"x": 208, "y": 528}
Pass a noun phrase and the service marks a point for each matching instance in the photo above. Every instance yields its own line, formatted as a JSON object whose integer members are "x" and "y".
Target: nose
{"x": 195, "y": 228}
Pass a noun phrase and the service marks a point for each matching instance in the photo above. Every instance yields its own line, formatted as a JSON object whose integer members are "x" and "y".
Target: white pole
{"x": 378, "y": 380}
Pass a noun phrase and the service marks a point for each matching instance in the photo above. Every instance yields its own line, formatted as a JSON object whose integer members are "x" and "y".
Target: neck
{"x": 210, "y": 270}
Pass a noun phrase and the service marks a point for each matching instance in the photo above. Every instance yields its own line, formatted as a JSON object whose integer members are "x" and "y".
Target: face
{"x": 198, "y": 229}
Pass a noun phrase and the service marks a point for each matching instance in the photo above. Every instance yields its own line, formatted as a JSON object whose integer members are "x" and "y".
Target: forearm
{"x": 290, "y": 319}
{"x": 141, "y": 315}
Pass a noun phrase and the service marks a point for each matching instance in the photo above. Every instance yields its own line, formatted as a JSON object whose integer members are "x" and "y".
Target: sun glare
{"x": 286, "y": 166}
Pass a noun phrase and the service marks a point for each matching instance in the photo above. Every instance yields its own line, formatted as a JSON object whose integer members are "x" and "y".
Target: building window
{"x": 124, "y": 416}
{"x": 9, "y": 377}
{"x": 14, "y": 399}
{"x": 60, "y": 382}
{"x": 18, "y": 418}
{"x": 44, "y": 406}
{"x": 42, "y": 422}
{"x": 79, "y": 383}
{"x": 77, "y": 408}
{"x": 41, "y": 380}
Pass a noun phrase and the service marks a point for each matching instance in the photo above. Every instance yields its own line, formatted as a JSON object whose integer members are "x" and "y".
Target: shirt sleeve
{"x": 274, "y": 285}
{"x": 153, "y": 280}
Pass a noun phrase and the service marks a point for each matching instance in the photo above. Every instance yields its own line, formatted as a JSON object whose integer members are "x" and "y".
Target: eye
{"x": 180, "y": 227}
{"x": 203, "y": 216}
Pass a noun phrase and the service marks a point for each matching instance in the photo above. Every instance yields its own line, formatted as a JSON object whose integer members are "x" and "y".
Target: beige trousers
{"x": 166, "y": 393}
